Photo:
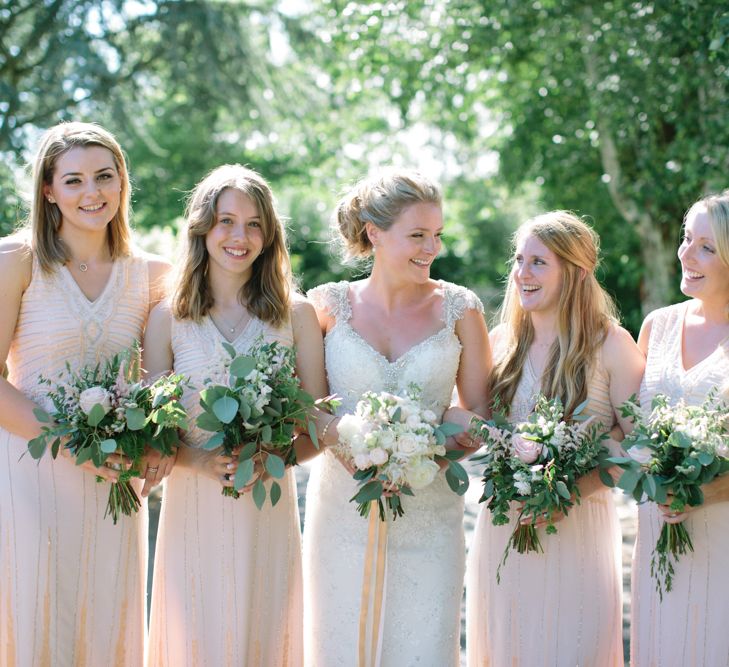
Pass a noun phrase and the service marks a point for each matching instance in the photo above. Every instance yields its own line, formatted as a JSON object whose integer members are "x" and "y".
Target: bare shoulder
{"x": 618, "y": 339}
{"x": 158, "y": 266}
{"x": 302, "y": 311}
{"x": 16, "y": 262}
{"x": 620, "y": 352}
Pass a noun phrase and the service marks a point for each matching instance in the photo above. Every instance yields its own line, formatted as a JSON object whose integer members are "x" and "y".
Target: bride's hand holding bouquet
{"x": 396, "y": 447}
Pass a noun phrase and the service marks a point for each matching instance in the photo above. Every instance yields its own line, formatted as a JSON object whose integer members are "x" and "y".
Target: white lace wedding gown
{"x": 425, "y": 557}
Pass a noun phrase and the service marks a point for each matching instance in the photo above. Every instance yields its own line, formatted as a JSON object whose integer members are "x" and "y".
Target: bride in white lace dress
{"x": 394, "y": 328}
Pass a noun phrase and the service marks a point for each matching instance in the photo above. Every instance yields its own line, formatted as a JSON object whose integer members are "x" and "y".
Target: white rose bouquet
{"x": 396, "y": 445}
{"x": 537, "y": 463}
{"x": 675, "y": 450}
{"x": 253, "y": 405}
{"x": 107, "y": 409}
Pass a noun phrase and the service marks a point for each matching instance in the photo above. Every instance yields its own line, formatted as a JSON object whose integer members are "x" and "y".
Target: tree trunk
{"x": 658, "y": 258}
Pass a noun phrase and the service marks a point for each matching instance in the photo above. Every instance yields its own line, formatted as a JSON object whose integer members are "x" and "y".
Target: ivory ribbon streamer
{"x": 375, "y": 557}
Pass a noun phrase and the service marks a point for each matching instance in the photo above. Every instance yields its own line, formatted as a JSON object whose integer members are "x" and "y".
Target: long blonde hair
{"x": 268, "y": 291}
{"x": 45, "y": 218}
{"x": 585, "y": 314}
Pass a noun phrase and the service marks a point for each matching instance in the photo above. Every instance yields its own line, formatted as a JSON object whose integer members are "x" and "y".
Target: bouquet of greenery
{"x": 396, "y": 445}
{"x": 254, "y": 414}
{"x": 537, "y": 463}
{"x": 107, "y": 409}
{"x": 675, "y": 449}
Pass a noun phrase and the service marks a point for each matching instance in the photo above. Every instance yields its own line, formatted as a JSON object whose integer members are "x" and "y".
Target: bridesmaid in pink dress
{"x": 559, "y": 336}
{"x": 687, "y": 347}
{"x": 227, "y": 587}
{"x": 72, "y": 291}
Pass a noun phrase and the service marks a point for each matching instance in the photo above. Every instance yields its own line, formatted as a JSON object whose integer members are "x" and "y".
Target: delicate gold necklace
{"x": 227, "y": 326}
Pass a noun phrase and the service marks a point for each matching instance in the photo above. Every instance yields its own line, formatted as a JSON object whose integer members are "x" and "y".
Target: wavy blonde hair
{"x": 379, "y": 200}
{"x": 45, "y": 219}
{"x": 267, "y": 293}
{"x": 585, "y": 314}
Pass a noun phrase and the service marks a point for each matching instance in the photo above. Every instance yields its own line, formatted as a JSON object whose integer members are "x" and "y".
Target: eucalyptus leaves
{"x": 255, "y": 413}
{"x": 672, "y": 453}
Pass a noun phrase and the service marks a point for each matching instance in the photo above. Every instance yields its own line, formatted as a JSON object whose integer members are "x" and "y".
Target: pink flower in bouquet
{"x": 527, "y": 450}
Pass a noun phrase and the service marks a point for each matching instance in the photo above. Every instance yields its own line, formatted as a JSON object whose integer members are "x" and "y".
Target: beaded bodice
{"x": 57, "y": 324}
{"x": 354, "y": 366}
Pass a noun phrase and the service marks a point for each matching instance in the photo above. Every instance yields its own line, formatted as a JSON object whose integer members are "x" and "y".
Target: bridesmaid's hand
{"x": 672, "y": 516}
{"x": 464, "y": 418}
{"x": 154, "y": 467}
{"x": 541, "y": 521}
{"x": 111, "y": 469}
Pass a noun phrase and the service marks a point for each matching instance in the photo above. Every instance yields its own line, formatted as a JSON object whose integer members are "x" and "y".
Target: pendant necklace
{"x": 229, "y": 328}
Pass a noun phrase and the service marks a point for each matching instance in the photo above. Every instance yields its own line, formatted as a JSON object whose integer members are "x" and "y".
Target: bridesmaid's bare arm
{"x": 156, "y": 361}
{"x": 310, "y": 369}
{"x": 473, "y": 373}
{"x": 16, "y": 410}
{"x": 159, "y": 270}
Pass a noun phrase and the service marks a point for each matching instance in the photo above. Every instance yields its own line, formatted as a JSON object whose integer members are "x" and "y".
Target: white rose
{"x": 722, "y": 450}
{"x": 387, "y": 439}
{"x": 378, "y": 456}
{"x": 407, "y": 445}
{"x": 349, "y": 426}
{"x": 422, "y": 474}
{"x": 362, "y": 461}
{"x": 94, "y": 396}
{"x": 413, "y": 421}
{"x": 429, "y": 416}
{"x": 642, "y": 455}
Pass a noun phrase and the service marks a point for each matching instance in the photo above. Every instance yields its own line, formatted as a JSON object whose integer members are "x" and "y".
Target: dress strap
{"x": 456, "y": 301}
{"x": 333, "y": 298}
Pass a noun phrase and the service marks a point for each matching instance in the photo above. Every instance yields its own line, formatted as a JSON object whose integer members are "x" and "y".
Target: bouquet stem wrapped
{"x": 107, "y": 409}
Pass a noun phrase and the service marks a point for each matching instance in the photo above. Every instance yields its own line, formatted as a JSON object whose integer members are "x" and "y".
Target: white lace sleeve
{"x": 332, "y": 298}
{"x": 458, "y": 300}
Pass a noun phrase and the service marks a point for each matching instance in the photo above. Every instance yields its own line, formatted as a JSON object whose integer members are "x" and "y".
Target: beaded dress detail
{"x": 227, "y": 586}
{"x": 72, "y": 584}
{"x": 689, "y": 626}
{"x": 425, "y": 567}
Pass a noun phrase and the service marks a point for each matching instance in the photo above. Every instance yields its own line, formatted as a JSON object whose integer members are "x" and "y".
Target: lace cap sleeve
{"x": 457, "y": 300}
{"x": 332, "y": 297}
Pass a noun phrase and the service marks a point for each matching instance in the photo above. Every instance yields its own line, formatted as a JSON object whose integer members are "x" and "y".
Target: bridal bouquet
{"x": 253, "y": 411}
{"x": 107, "y": 409}
{"x": 537, "y": 464}
{"x": 396, "y": 445}
{"x": 673, "y": 450}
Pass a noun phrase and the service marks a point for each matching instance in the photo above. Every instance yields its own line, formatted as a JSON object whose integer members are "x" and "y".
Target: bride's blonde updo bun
{"x": 380, "y": 200}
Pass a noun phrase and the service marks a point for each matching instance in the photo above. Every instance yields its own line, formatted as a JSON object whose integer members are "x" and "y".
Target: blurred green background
{"x": 617, "y": 110}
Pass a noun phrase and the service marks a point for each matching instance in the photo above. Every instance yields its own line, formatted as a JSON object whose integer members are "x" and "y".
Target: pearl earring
{"x": 51, "y": 200}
